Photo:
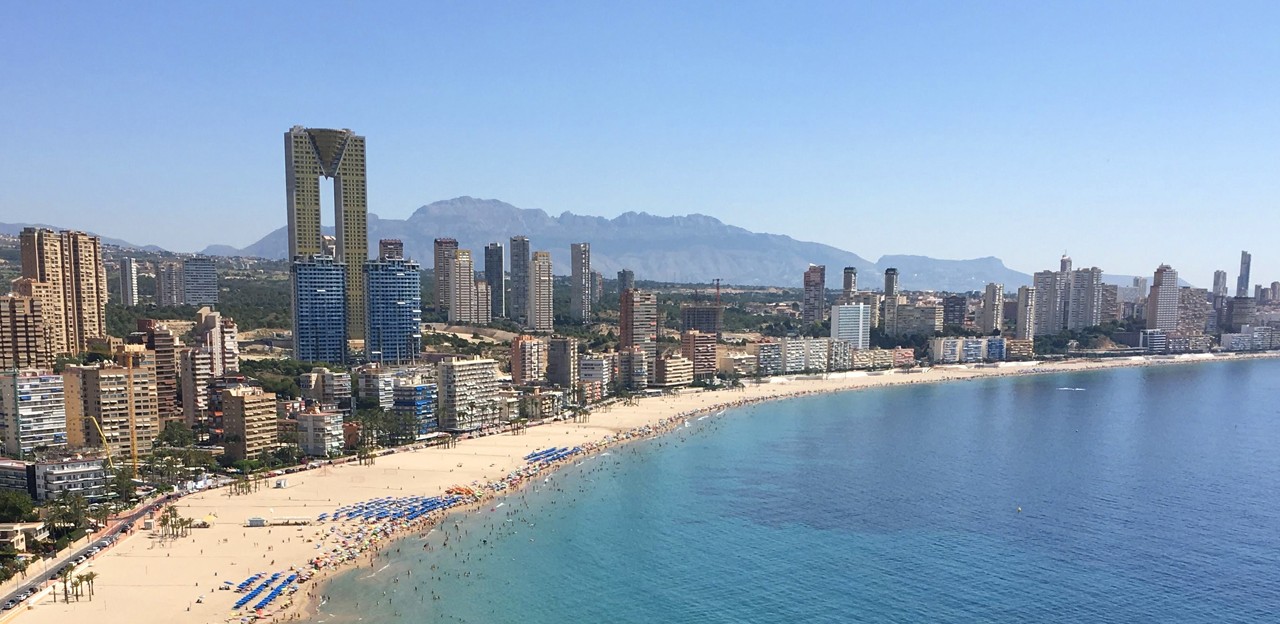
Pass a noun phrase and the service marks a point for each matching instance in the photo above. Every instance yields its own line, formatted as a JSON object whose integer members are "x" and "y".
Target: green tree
{"x": 15, "y": 506}
{"x": 176, "y": 434}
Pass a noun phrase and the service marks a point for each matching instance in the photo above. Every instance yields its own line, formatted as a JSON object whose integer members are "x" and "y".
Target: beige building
{"x": 163, "y": 342}
{"x": 540, "y": 316}
{"x": 219, "y": 336}
{"x": 74, "y": 297}
{"x": 700, "y": 349}
{"x": 113, "y": 406}
{"x": 467, "y": 397}
{"x": 638, "y": 326}
{"x": 312, "y": 153}
{"x": 23, "y": 339}
{"x": 445, "y": 257}
{"x": 462, "y": 288}
{"x": 528, "y": 360}
{"x": 248, "y": 421}
{"x": 197, "y": 374}
{"x": 673, "y": 371}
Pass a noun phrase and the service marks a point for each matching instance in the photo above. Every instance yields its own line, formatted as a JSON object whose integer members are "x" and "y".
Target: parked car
{"x": 9, "y": 605}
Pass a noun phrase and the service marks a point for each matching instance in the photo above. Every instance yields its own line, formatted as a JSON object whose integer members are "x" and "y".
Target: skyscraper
{"x": 851, "y": 322}
{"x": 580, "y": 282}
{"x": 518, "y": 302}
{"x": 850, "y": 284}
{"x": 890, "y": 283}
{"x": 993, "y": 308}
{"x": 705, "y": 318}
{"x": 1084, "y": 298}
{"x": 199, "y": 281}
{"x": 461, "y": 282}
{"x": 74, "y": 290}
{"x": 394, "y": 296}
{"x": 1049, "y": 288}
{"x": 161, "y": 341}
{"x": 23, "y": 341}
{"x": 1162, "y": 304}
{"x": 312, "y": 153}
{"x": 528, "y": 359}
{"x": 814, "y": 306}
{"x": 1025, "y": 325}
{"x": 495, "y": 276}
{"x": 638, "y": 325}
{"x": 954, "y": 310}
{"x": 626, "y": 280}
{"x": 32, "y": 411}
{"x": 445, "y": 264}
{"x": 1242, "y": 281}
{"x": 1219, "y": 283}
{"x": 128, "y": 282}
{"x": 319, "y": 309}
{"x": 168, "y": 284}
{"x": 540, "y": 314}
{"x": 562, "y": 363}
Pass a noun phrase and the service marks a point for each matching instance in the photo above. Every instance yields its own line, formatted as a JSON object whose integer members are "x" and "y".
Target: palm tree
{"x": 66, "y": 577}
{"x": 79, "y": 582}
{"x": 89, "y": 577}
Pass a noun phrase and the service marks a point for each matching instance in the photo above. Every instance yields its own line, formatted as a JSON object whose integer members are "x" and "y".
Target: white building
{"x": 851, "y": 323}
{"x": 468, "y": 394}
{"x": 32, "y": 411}
{"x": 320, "y": 433}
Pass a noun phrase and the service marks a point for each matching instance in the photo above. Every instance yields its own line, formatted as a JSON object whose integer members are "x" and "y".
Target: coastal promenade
{"x": 149, "y": 579}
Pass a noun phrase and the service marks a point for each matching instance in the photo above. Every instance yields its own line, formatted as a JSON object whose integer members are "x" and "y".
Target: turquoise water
{"x": 1153, "y": 495}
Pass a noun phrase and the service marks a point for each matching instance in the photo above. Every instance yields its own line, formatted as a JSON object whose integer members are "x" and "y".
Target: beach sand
{"x": 145, "y": 579}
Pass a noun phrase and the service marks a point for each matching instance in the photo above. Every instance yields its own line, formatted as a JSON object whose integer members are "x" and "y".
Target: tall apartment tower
{"x": 890, "y": 283}
{"x": 249, "y": 419}
{"x": 112, "y": 406}
{"x": 446, "y": 257}
{"x": 1084, "y": 299}
{"x": 814, "y": 306}
{"x": 23, "y": 342}
{"x": 128, "y": 282}
{"x": 993, "y": 308}
{"x": 580, "y": 282}
{"x": 518, "y": 302}
{"x": 1219, "y": 283}
{"x": 626, "y": 280}
{"x": 528, "y": 359}
{"x": 1162, "y": 304}
{"x": 495, "y": 275}
{"x": 562, "y": 363}
{"x": 1242, "y": 280}
{"x": 312, "y": 153}
{"x": 169, "y": 284}
{"x": 638, "y": 325}
{"x": 850, "y": 284}
{"x": 163, "y": 343}
{"x": 75, "y": 297}
{"x": 851, "y": 322}
{"x": 461, "y": 282}
{"x": 1049, "y": 288}
{"x": 199, "y": 282}
{"x": 319, "y": 309}
{"x": 1024, "y": 328}
{"x": 32, "y": 411}
{"x": 394, "y": 320}
{"x": 540, "y": 314}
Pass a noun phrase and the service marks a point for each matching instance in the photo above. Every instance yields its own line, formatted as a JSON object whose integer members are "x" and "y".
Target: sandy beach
{"x": 147, "y": 579}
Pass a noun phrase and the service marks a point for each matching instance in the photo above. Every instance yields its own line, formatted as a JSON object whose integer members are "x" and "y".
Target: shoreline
{"x": 398, "y": 475}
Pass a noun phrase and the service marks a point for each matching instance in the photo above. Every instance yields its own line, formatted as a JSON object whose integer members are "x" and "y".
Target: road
{"x": 49, "y": 567}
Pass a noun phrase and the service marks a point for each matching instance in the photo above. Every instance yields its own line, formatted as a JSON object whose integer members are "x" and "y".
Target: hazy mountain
{"x": 692, "y": 248}
{"x": 14, "y": 229}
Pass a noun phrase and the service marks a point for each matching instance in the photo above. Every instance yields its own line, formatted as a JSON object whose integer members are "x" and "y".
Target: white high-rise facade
{"x": 851, "y": 322}
{"x": 580, "y": 279}
{"x": 992, "y": 308}
{"x": 128, "y": 282}
{"x": 540, "y": 316}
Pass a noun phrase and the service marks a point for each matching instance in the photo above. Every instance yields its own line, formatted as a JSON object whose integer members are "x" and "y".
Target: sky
{"x": 1127, "y": 134}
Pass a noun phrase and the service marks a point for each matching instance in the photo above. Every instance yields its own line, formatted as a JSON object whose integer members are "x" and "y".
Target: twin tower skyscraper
{"x": 311, "y": 154}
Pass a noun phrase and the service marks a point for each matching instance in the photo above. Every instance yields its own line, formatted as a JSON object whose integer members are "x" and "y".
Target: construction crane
{"x": 106, "y": 447}
{"x": 716, "y": 281}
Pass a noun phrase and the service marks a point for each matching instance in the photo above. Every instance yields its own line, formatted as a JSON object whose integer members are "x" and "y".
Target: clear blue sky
{"x": 1128, "y": 134}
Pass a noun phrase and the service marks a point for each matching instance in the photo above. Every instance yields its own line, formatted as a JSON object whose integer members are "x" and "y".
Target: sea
{"x": 1125, "y": 495}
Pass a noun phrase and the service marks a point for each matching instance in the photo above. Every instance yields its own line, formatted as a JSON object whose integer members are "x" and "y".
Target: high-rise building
{"x": 390, "y": 249}
{"x": 954, "y": 309}
{"x": 1024, "y": 328}
{"x": 562, "y": 363}
{"x": 700, "y": 349}
{"x": 518, "y": 301}
{"x": 446, "y": 258}
{"x": 32, "y": 411}
{"x": 1242, "y": 280}
{"x": 319, "y": 309}
{"x": 890, "y": 283}
{"x": 23, "y": 337}
{"x": 626, "y": 280}
{"x": 168, "y": 284}
{"x": 540, "y": 314}
{"x": 872, "y": 299}
{"x": 312, "y": 153}
{"x": 635, "y": 369}
{"x": 851, "y": 323}
{"x": 814, "y": 305}
{"x": 1194, "y": 310}
{"x": 195, "y": 377}
{"x": 705, "y": 318}
{"x": 1162, "y": 304}
{"x": 850, "y": 284}
{"x": 1084, "y": 298}
{"x": 74, "y": 302}
{"x": 484, "y": 303}
{"x": 128, "y": 282}
{"x": 394, "y": 310}
{"x": 992, "y": 308}
{"x": 248, "y": 421}
{"x": 468, "y": 394}
{"x": 1064, "y": 264}
{"x": 112, "y": 407}
{"x": 1049, "y": 288}
{"x": 460, "y": 279}
{"x": 163, "y": 343}
{"x": 528, "y": 359}
{"x": 1111, "y": 307}
{"x": 417, "y": 403}
{"x": 375, "y": 384}
{"x": 199, "y": 281}
{"x": 219, "y": 336}
{"x": 597, "y": 287}
{"x": 496, "y": 276}
{"x": 580, "y": 282}
{"x": 638, "y": 324}
{"x": 1220, "y": 284}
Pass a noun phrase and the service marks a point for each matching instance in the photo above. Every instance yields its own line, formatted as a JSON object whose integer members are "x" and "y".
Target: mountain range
{"x": 692, "y": 248}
